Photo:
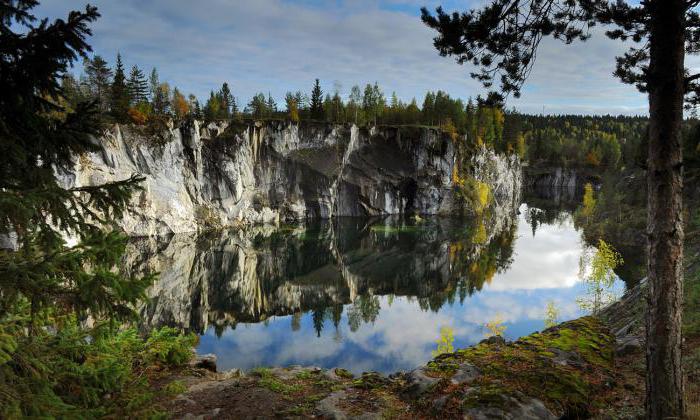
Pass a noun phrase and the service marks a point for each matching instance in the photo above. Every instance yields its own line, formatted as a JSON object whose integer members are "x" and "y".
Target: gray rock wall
{"x": 201, "y": 177}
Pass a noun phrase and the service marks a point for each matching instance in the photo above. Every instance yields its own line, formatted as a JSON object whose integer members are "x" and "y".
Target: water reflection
{"x": 362, "y": 294}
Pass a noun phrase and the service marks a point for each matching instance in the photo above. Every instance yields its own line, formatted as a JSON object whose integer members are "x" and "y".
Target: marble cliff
{"x": 222, "y": 175}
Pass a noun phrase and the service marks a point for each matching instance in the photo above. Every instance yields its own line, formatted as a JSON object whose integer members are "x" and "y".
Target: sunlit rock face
{"x": 224, "y": 278}
{"x": 199, "y": 177}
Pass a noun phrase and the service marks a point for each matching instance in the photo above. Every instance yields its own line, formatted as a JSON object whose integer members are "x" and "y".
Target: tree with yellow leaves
{"x": 180, "y": 105}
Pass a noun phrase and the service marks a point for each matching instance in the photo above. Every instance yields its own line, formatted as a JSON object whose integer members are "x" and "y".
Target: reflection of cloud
{"x": 548, "y": 260}
{"x": 408, "y": 332}
{"x": 403, "y": 335}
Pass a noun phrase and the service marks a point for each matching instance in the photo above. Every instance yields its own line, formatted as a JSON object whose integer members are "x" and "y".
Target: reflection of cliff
{"x": 248, "y": 276}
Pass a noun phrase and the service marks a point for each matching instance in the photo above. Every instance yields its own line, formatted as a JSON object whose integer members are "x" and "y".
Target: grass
{"x": 175, "y": 388}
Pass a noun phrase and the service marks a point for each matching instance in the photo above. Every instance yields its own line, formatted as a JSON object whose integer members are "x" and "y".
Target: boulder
{"x": 514, "y": 406}
{"x": 418, "y": 383}
{"x": 466, "y": 373}
{"x": 205, "y": 361}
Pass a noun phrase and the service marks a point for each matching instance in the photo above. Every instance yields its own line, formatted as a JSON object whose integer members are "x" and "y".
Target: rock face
{"x": 199, "y": 177}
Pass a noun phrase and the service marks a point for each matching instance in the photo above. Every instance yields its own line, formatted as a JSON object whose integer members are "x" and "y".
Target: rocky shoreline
{"x": 567, "y": 371}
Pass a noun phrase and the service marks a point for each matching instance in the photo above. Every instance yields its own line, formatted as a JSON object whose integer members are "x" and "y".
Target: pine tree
{"x": 153, "y": 85}
{"x": 502, "y": 38}
{"x": 212, "y": 108}
{"x": 119, "y": 100}
{"x": 137, "y": 86}
{"x": 227, "y": 102}
{"x": 98, "y": 81}
{"x": 44, "y": 284}
{"x": 161, "y": 100}
{"x": 317, "y": 101}
{"x": 257, "y": 106}
{"x": 271, "y": 105}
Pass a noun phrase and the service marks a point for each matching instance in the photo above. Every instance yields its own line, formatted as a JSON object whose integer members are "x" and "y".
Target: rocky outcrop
{"x": 563, "y": 372}
{"x": 199, "y": 177}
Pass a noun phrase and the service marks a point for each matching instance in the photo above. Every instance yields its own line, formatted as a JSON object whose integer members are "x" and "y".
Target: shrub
{"x": 137, "y": 117}
{"x": 72, "y": 374}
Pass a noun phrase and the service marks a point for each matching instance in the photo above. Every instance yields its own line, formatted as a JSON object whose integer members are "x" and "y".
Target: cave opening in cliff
{"x": 408, "y": 188}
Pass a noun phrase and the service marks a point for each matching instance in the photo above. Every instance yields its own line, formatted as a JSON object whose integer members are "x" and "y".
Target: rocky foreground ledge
{"x": 567, "y": 371}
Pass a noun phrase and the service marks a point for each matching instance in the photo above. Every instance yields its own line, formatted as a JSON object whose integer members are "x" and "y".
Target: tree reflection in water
{"x": 227, "y": 278}
{"x": 360, "y": 293}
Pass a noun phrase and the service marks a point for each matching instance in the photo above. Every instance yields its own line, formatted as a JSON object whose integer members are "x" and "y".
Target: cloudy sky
{"x": 280, "y": 45}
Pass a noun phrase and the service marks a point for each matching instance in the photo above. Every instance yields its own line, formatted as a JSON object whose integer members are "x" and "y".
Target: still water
{"x": 364, "y": 294}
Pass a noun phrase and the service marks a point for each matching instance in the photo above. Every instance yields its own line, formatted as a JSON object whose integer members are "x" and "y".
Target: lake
{"x": 366, "y": 295}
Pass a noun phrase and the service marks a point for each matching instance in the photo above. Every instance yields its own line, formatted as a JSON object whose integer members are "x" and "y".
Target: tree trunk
{"x": 664, "y": 398}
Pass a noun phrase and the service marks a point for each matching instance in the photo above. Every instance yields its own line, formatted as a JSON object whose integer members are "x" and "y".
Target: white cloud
{"x": 276, "y": 45}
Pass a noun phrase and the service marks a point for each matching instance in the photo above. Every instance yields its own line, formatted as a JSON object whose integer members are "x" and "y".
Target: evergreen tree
{"x": 73, "y": 91}
{"x": 428, "y": 110}
{"x": 227, "y": 102}
{"x": 153, "y": 85}
{"x": 412, "y": 113}
{"x": 317, "y": 101}
{"x": 137, "y": 86}
{"x": 257, "y": 107}
{"x": 44, "y": 284}
{"x": 161, "y": 100}
{"x": 502, "y": 40}
{"x": 271, "y": 104}
{"x": 119, "y": 100}
{"x": 212, "y": 108}
{"x": 98, "y": 79}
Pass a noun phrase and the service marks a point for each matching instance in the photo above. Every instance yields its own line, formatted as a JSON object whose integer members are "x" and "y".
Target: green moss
{"x": 307, "y": 374}
{"x": 370, "y": 380}
{"x": 175, "y": 388}
{"x": 566, "y": 367}
{"x": 344, "y": 373}
{"x": 276, "y": 385}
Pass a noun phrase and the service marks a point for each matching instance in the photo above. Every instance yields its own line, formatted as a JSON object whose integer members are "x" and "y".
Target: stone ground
{"x": 568, "y": 370}
{"x": 592, "y": 367}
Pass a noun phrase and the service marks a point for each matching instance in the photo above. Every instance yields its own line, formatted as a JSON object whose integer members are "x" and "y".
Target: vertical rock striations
{"x": 218, "y": 175}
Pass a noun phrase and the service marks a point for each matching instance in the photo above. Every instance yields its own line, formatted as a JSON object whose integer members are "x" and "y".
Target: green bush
{"x": 71, "y": 374}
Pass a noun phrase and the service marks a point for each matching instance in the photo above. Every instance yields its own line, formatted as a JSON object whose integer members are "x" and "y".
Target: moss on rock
{"x": 565, "y": 367}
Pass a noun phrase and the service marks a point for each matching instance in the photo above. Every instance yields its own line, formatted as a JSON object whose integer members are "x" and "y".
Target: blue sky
{"x": 280, "y": 45}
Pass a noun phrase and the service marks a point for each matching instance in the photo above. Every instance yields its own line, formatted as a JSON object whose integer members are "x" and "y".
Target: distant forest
{"x": 566, "y": 140}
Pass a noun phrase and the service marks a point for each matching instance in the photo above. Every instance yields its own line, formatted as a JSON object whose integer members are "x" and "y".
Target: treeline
{"x": 567, "y": 140}
{"x": 576, "y": 140}
{"x": 132, "y": 97}
{"x": 598, "y": 141}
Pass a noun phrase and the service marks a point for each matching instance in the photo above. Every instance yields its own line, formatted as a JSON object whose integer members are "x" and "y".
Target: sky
{"x": 275, "y": 46}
